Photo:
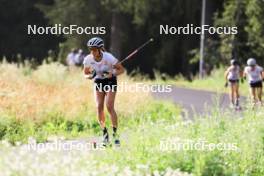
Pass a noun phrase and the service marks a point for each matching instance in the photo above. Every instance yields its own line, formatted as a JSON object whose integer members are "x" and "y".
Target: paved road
{"x": 195, "y": 101}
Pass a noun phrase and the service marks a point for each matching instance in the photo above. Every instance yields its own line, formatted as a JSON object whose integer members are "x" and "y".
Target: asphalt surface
{"x": 196, "y": 102}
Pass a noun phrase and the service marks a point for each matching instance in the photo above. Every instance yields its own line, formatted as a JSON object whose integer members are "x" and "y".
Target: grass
{"x": 53, "y": 100}
{"x": 155, "y": 141}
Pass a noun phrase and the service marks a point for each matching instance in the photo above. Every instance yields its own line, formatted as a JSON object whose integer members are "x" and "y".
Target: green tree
{"x": 15, "y": 42}
{"x": 232, "y": 46}
{"x": 247, "y": 16}
{"x": 131, "y": 23}
{"x": 255, "y": 28}
{"x": 78, "y": 12}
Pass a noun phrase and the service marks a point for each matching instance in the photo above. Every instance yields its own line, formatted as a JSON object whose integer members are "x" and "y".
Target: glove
{"x": 226, "y": 84}
{"x": 107, "y": 74}
{"x": 91, "y": 75}
{"x": 242, "y": 80}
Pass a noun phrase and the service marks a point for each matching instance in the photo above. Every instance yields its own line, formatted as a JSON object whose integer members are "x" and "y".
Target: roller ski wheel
{"x": 238, "y": 108}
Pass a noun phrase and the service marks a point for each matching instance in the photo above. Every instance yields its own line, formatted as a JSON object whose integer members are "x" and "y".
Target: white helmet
{"x": 251, "y": 62}
{"x": 234, "y": 62}
{"x": 96, "y": 42}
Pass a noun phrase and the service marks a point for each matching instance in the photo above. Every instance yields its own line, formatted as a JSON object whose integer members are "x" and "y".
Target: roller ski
{"x": 105, "y": 141}
{"x": 116, "y": 141}
{"x": 237, "y": 107}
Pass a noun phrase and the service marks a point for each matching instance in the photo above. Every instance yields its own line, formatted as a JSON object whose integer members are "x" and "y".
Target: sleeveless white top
{"x": 254, "y": 75}
{"x": 233, "y": 72}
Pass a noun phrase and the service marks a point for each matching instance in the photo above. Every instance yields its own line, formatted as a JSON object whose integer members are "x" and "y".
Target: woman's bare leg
{"x": 99, "y": 99}
{"x": 110, "y": 101}
{"x": 253, "y": 96}
{"x": 259, "y": 94}
{"x": 232, "y": 94}
{"x": 236, "y": 90}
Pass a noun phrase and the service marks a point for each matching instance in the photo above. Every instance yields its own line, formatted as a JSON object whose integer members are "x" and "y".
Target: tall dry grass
{"x": 31, "y": 94}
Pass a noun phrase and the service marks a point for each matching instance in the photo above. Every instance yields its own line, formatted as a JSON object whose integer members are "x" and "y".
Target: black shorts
{"x": 256, "y": 84}
{"x": 106, "y": 85}
{"x": 232, "y": 81}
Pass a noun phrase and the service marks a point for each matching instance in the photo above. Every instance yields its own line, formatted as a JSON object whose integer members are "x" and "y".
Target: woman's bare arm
{"x": 119, "y": 69}
{"x": 226, "y": 73}
{"x": 262, "y": 74}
